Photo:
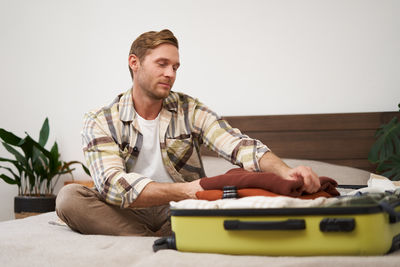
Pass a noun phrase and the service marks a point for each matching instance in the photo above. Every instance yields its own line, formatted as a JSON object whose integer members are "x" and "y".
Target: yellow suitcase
{"x": 356, "y": 230}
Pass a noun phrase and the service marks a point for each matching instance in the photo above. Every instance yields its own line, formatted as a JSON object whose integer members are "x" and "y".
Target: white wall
{"x": 62, "y": 58}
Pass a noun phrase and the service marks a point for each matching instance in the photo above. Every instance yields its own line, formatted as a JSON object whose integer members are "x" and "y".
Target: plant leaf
{"x": 385, "y": 144}
{"x": 17, "y": 165}
{"x": 7, "y": 179}
{"x": 38, "y": 146}
{"x": 67, "y": 164}
{"x": 44, "y": 132}
{"x": 19, "y": 157}
{"x": 390, "y": 168}
{"x": 27, "y": 147}
{"x": 17, "y": 178}
{"x": 373, "y": 155}
{"x": 85, "y": 169}
{"x": 55, "y": 163}
{"x": 9, "y": 160}
{"x": 396, "y": 145}
{"x": 9, "y": 137}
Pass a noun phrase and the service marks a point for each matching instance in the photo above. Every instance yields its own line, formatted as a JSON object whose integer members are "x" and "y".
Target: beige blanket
{"x": 35, "y": 242}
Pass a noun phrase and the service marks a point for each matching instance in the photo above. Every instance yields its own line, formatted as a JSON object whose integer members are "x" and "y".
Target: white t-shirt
{"x": 149, "y": 162}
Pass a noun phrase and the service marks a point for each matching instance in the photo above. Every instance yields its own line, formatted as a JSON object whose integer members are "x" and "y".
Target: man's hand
{"x": 156, "y": 194}
{"x": 310, "y": 178}
{"x": 269, "y": 162}
{"x": 191, "y": 188}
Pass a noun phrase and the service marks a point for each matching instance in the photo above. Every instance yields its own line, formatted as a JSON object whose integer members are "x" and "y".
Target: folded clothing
{"x": 250, "y": 192}
{"x": 262, "y": 184}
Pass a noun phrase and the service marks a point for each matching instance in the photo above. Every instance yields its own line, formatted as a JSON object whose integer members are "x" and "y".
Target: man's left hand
{"x": 310, "y": 178}
{"x": 269, "y": 162}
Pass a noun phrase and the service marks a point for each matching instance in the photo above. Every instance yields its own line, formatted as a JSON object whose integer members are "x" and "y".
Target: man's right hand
{"x": 157, "y": 194}
{"x": 192, "y": 188}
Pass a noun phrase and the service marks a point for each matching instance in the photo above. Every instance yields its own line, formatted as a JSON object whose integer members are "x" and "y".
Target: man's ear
{"x": 133, "y": 61}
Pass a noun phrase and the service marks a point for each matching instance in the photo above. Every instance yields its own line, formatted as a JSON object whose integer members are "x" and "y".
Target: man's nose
{"x": 170, "y": 72}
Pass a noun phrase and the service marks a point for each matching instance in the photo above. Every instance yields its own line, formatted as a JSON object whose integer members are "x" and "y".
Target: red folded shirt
{"x": 262, "y": 184}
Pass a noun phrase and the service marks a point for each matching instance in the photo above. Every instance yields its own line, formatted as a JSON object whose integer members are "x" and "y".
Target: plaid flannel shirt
{"x": 112, "y": 142}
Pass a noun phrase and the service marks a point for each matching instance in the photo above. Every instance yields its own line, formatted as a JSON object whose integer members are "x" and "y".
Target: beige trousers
{"x": 84, "y": 211}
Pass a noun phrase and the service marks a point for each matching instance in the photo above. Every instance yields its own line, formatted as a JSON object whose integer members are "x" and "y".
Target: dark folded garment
{"x": 328, "y": 185}
{"x": 268, "y": 181}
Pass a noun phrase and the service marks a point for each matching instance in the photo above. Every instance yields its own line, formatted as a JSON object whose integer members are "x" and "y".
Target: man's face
{"x": 156, "y": 73}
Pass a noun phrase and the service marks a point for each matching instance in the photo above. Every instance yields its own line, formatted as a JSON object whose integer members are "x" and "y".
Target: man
{"x": 143, "y": 149}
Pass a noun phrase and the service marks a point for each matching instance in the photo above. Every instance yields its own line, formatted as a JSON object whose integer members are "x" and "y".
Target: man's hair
{"x": 150, "y": 40}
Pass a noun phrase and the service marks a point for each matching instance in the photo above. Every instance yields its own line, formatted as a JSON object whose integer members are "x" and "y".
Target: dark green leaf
{"x": 385, "y": 144}
{"x": 390, "y": 168}
{"x": 17, "y": 178}
{"x": 27, "y": 147}
{"x": 7, "y": 179}
{"x": 396, "y": 145}
{"x": 55, "y": 163}
{"x": 9, "y": 137}
{"x": 66, "y": 171}
{"x": 9, "y": 160}
{"x": 373, "y": 155}
{"x": 85, "y": 169}
{"x": 19, "y": 157}
{"x": 44, "y": 133}
{"x": 39, "y": 167}
{"x": 36, "y": 153}
{"x": 38, "y": 146}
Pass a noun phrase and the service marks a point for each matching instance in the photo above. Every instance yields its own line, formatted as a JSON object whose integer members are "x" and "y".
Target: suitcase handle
{"x": 290, "y": 224}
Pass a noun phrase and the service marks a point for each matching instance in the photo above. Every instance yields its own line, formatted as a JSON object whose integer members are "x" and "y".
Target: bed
{"x": 43, "y": 241}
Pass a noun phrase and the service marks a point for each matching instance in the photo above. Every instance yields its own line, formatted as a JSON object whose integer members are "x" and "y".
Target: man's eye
{"x": 162, "y": 64}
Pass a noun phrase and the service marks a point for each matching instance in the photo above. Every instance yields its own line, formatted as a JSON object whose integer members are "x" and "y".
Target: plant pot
{"x": 25, "y": 206}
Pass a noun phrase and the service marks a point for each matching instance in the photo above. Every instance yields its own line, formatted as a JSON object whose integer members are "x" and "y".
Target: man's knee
{"x": 67, "y": 200}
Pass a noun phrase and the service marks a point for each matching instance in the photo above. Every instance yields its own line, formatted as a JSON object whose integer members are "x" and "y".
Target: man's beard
{"x": 156, "y": 95}
{"x": 150, "y": 87}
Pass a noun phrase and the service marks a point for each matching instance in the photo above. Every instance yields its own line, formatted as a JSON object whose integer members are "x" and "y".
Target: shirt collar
{"x": 171, "y": 102}
{"x": 127, "y": 110}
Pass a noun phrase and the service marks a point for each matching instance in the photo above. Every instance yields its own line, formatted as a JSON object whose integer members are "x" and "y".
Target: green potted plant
{"x": 385, "y": 152}
{"x": 34, "y": 169}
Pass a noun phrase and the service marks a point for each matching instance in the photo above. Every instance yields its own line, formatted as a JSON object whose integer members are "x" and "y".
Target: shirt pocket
{"x": 184, "y": 157}
{"x": 179, "y": 147}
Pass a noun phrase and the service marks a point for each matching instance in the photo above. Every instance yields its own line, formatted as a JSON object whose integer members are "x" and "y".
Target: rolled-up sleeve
{"x": 106, "y": 165}
{"x": 228, "y": 142}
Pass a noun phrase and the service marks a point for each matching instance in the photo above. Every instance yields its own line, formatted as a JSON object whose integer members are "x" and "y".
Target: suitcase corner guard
{"x": 167, "y": 242}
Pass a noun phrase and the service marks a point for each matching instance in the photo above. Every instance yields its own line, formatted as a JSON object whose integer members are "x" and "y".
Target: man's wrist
{"x": 269, "y": 162}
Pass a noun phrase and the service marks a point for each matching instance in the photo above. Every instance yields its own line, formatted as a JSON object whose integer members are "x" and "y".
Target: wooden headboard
{"x": 342, "y": 138}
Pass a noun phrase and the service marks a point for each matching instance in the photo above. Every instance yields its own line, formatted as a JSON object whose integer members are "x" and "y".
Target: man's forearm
{"x": 156, "y": 194}
{"x": 269, "y": 162}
